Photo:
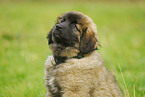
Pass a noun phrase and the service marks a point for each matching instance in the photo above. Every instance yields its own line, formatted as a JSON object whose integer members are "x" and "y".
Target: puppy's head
{"x": 74, "y": 29}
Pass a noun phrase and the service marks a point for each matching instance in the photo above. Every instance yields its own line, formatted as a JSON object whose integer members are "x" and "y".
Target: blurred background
{"x": 24, "y": 25}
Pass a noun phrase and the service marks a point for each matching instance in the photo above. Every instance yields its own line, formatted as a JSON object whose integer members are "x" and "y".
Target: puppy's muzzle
{"x": 58, "y": 27}
{"x": 57, "y": 30}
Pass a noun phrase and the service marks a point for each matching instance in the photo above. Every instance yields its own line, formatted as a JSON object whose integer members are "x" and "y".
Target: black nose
{"x": 58, "y": 26}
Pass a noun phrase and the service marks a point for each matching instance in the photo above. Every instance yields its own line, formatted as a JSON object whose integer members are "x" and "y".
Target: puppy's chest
{"x": 72, "y": 71}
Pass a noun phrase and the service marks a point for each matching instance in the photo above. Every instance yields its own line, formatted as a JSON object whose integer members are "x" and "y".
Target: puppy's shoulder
{"x": 94, "y": 56}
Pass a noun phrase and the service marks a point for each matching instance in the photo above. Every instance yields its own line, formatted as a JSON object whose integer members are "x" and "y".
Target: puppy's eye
{"x": 76, "y": 26}
{"x": 62, "y": 20}
{"x": 73, "y": 25}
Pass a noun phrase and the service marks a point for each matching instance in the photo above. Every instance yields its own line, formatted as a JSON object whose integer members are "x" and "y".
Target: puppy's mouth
{"x": 57, "y": 36}
{"x": 56, "y": 32}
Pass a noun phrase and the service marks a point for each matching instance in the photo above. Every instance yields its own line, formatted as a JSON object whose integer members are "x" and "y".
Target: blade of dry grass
{"x": 124, "y": 81}
{"x": 134, "y": 89}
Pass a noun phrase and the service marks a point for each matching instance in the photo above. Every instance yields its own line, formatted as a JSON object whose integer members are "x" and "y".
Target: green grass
{"x": 23, "y": 43}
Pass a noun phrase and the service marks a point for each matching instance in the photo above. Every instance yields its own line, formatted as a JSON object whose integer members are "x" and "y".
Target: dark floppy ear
{"x": 88, "y": 41}
{"x": 49, "y": 37}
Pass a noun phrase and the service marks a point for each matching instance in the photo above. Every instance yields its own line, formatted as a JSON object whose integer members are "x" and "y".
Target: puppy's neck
{"x": 60, "y": 51}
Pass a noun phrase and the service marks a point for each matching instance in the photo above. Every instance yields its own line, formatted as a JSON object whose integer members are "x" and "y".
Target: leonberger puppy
{"x": 75, "y": 69}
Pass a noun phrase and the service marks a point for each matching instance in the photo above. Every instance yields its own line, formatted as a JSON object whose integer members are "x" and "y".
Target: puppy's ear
{"x": 49, "y": 37}
{"x": 88, "y": 41}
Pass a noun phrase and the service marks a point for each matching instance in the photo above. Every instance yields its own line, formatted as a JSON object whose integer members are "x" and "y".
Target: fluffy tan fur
{"x": 85, "y": 77}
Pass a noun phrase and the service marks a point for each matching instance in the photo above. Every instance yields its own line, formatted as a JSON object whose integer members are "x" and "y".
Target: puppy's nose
{"x": 58, "y": 26}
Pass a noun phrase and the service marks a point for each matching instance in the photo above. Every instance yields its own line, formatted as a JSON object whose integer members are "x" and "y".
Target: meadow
{"x": 24, "y": 48}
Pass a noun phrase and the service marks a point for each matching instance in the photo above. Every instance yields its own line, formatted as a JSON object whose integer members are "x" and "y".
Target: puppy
{"x": 75, "y": 69}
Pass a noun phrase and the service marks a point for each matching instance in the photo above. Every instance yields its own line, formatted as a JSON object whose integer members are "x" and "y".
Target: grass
{"x": 23, "y": 43}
